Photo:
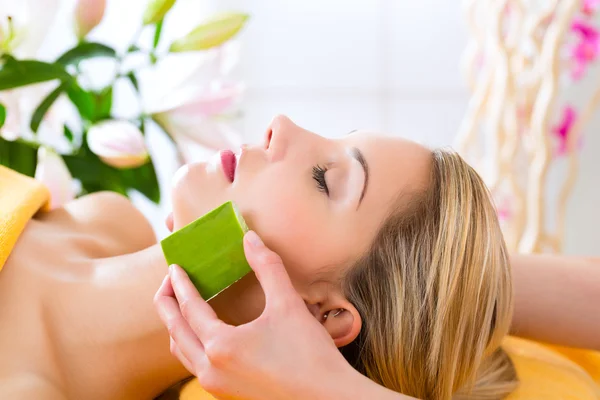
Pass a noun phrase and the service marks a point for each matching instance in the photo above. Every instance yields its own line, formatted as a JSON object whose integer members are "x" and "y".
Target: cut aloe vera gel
{"x": 210, "y": 250}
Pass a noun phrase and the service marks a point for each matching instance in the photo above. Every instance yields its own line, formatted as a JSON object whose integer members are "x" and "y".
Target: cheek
{"x": 293, "y": 221}
{"x": 273, "y": 205}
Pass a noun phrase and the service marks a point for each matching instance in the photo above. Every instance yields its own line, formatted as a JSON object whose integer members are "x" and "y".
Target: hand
{"x": 285, "y": 353}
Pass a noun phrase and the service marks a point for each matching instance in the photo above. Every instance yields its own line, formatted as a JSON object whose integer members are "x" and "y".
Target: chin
{"x": 195, "y": 191}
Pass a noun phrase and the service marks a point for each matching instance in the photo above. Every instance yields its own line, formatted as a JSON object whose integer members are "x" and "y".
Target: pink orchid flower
{"x": 590, "y": 6}
{"x": 564, "y": 129}
{"x": 504, "y": 211}
{"x": 587, "y": 48}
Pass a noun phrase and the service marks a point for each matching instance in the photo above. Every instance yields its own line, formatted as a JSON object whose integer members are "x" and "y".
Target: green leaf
{"x": 103, "y": 102}
{"x": 157, "y": 32}
{"x": 96, "y": 176}
{"x": 156, "y": 11}
{"x": 93, "y": 174}
{"x": 133, "y": 48}
{"x": 134, "y": 82}
{"x": 17, "y": 73}
{"x": 212, "y": 33}
{"x": 85, "y": 50}
{"x": 92, "y": 106}
{"x": 83, "y": 100}
{"x": 144, "y": 180}
{"x": 143, "y": 125}
{"x": 2, "y": 115}
{"x": 42, "y": 109}
{"x": 19, "y": 156}
{"x": 68, "y": 133}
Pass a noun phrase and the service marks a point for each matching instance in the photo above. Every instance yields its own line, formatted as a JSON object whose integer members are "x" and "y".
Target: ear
{"x": 342, "y": 320}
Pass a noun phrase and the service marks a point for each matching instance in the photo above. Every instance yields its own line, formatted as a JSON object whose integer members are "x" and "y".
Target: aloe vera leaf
{"x": 210, "y": 249}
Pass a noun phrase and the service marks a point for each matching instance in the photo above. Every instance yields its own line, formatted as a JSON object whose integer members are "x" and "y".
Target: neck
{"x": 240, "y": 303}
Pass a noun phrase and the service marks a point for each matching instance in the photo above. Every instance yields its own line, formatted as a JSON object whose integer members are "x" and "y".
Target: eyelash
{"x": 318, "y": 174}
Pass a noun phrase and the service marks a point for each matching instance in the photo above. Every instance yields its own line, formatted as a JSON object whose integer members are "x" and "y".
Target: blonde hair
{"x": 435, "y": 293}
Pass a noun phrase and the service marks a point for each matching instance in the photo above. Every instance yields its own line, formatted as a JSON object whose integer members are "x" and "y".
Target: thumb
{"x": 269, "y": 270}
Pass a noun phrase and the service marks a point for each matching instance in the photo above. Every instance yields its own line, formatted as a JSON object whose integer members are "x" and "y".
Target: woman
{"x": 394, "y": 249}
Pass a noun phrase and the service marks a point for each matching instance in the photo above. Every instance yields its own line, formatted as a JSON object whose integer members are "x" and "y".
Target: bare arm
{"x": 557, "y": 299}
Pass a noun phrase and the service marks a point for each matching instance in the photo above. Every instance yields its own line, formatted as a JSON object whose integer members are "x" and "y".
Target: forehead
{"x": 397, "y": 166}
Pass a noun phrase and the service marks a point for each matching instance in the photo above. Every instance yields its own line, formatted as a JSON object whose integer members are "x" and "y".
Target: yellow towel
{"x": 544, "y": 373}
{"x": 20, "y": 198}
{"x": 549, "y": 373}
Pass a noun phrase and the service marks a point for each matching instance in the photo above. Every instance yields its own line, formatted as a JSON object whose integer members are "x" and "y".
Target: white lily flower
{"x": 118, "y": 143}
{"x": 199, "y": 107}
{"x": 52, "y": 171}
{"x": 88, "y": 14}
{"x": 12, "y": 126}
{"x": 27, "y": 23}
{"x": 199, "y": 119}
{"x": 30, "y": 21}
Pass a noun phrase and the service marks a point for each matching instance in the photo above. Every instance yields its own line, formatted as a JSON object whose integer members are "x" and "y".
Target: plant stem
{"x": 30, "y": 143}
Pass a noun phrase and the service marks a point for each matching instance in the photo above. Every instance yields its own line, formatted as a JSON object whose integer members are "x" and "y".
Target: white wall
{"x": 338, "y": 65}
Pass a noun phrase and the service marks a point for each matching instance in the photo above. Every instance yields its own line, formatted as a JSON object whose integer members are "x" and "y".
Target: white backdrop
{"x": 338, "y": 65}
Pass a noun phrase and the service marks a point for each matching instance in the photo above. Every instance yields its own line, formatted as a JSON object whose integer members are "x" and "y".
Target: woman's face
{"x": 318, "y": 223}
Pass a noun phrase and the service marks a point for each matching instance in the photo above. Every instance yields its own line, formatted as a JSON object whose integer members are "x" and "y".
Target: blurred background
{"x": 332, "y": 67}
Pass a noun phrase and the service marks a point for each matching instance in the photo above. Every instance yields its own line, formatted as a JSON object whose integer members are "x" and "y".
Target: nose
{"x": 280, "y": 125}
{"x": 280, "y": 134}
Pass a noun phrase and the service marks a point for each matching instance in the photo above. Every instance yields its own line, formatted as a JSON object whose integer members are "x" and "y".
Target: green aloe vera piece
{"x": 210, "y": 250}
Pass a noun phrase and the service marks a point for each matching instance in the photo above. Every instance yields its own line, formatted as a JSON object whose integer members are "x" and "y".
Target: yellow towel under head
{"x": 20, "y": 198}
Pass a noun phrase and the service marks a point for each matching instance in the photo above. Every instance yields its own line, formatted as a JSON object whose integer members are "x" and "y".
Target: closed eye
{"x": 318, "y": 174}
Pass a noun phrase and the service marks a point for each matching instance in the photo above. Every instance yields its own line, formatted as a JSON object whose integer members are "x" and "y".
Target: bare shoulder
{"x": 114, "y": 215}
{"x": 109, "y": 217}
{"x": 29, "y": 386}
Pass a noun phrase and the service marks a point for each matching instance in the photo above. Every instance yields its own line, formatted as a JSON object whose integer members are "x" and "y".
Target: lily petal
{"x": 88, "y": 14}
{"x": 118, "y": 143}
{"x": 31, "y": 23}
{"x": 53, "y": 172}
{"x": 206, "y": 131}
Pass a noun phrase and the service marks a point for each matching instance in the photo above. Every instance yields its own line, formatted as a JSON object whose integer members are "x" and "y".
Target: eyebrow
{"x": 359, "y": 156}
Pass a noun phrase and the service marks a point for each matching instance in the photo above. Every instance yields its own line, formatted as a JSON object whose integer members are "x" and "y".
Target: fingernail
{"x": 171, "y": 269}
{"x": 254, "y": 239}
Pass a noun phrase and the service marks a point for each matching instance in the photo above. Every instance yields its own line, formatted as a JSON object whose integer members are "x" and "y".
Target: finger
{"x": 199, "y": 315}
{"x": 179, "y": 355}
{"x": 165, "y": 289}
{"x": 179, "y": 329}
{"x": 269, "y": 270}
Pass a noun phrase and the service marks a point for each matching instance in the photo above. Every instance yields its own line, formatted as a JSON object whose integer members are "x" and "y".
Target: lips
{"x": 228, "y": 162}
